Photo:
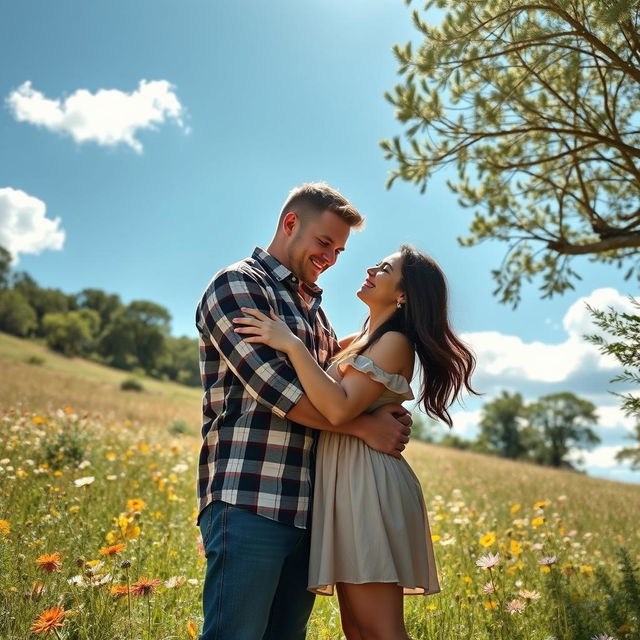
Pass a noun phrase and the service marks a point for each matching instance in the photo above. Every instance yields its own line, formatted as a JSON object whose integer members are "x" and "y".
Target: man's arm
{"x": 267, "y": 375}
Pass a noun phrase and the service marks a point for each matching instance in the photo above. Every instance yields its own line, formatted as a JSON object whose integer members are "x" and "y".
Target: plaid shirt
{"x": 252, "y": 456}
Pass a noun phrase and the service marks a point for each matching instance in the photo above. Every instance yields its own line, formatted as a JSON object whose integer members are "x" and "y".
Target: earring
{"x": 399, "y": 305}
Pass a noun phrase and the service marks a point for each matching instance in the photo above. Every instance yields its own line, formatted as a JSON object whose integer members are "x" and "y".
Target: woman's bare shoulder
{"x": 392, "y": 352}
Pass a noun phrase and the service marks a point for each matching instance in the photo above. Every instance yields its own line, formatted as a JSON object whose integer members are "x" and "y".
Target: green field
{"x": 86, "y": 467}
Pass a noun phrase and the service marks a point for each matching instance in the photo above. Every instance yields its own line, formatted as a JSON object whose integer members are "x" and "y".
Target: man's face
{"x": 314, "y": 245}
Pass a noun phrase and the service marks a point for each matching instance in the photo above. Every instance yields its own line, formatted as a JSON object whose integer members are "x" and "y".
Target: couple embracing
{"x": 302, "y": 486}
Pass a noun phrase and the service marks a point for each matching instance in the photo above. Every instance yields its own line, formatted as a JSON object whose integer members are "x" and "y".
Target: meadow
{"x": 98, "y": 538}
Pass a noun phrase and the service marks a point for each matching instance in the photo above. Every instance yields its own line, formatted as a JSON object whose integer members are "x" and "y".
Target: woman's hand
{"x": 269, "y": 330}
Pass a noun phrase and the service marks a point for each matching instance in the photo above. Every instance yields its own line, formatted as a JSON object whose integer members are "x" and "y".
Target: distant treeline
{"x": 96, "y": 325}
{"x": 547, "y": 431}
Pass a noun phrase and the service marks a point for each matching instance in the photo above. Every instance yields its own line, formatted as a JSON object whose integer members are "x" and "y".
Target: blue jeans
{"x": 255, "y": 586}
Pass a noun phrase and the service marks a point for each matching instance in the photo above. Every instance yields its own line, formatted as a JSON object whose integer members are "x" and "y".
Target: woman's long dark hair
{"x": 446, "y": 363}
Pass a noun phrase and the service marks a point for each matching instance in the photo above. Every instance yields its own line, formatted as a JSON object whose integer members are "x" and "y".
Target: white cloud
{"x": 602, "y": 457}
{"x": 507, "y": 361}
{"x": 108, "y": 117}
{"x": 24, "y": 227}
{"x": 465, "y": 423}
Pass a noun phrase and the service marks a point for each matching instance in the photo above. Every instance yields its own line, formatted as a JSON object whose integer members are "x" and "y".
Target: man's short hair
{"x": 312, "y": 198}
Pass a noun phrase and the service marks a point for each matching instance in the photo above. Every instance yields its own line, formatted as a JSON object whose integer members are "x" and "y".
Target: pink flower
{"x": 489, "y": 561}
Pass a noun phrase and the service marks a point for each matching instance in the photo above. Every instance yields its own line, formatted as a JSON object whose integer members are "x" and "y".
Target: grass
{"x": 97, "y": 475}
{"x": 89, "y": 387}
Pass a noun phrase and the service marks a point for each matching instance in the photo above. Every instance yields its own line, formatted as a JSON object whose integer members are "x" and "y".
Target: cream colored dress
{"x": 369, "y": 517}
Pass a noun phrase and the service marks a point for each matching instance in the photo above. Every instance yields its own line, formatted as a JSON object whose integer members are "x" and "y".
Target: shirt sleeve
{"x": 265, "y": 373}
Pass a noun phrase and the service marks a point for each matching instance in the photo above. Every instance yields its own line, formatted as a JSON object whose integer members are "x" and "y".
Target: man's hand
{"x": 387, "y": 429}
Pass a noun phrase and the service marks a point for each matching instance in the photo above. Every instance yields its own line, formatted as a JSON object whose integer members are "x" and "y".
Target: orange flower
{"x": 118, "y": 591}
{"x": 48, "y": 620}
{"x": 192, "y": 630}
{"x": 136, "y": 505}
{"x": 49, "y": 562}
{"x": 112, "y": 550}
{"x": 144, "y": 586}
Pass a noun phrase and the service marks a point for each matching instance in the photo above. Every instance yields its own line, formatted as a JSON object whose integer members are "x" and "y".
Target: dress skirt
{"x": 369, "y": 520}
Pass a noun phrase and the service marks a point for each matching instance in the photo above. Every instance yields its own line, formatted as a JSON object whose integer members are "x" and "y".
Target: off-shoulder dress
{"x": 369, "y": 517}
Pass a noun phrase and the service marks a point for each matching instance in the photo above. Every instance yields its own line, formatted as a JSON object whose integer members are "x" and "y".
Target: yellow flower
{"x": 37, "y": 420}
{"x": 491, "y": 604}
{"x": 515, "y": 508}
{"x": 517, "y": 566}
{"x": 515, "y": 548}
{"x": 586, "y": 570}
{"x": 68, "y": 410}
{"x": 58, "y": 473}
{"x": 110, "y": 455}
{"x": 467, "y": 579}
{"x": 541, "y": 504}
{"x": 538, "y": 522}
{"x": 5, "y": 527}
{"x": 143, "y": 447}
{"x": 136, "y": 505}
{"x": 435, "y": 537}
{"x": 74, "y": 508}
{"x": 488, "y": 539}
{"x": 432, "y": 607}
{"x": 545, "y": 569}
{"x": 192, "y": 630}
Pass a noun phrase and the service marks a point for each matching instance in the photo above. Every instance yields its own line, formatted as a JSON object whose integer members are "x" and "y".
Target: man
{"x": 255, "y": 477}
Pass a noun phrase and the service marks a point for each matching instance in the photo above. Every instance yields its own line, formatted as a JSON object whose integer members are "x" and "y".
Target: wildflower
{"x": 48, "y": 620}
{"x": 491, "y": 604}
{"x": 489, "y": 561}
{"x": 192, "y": 630}
{"x": 112, "y": 550}
{"x": 74, "y": 508}
{"x": 435, "y": 537}
{"x": 541, "y": 504}
{"x": 136, "y": 505}
{"x": 117, "y": 591}
{"x": 144, "y": 586}
{"x": 488, "y": 588}
{"x": 5, "y": 527}
{"x": 49, "y": 562}
{"x": 515, "y": 508}
{"x": 537, "y": 522}
{"x": 547, "y": 560}
{"x": 83, "y": 482}
{"x": 515, "y": 548}
{"x": 488, "y": 539}
{"x": 515, "y": 606}
{"x": 602, "y": 636}
{"x": 586, "y": 570}
{"x": 175, "y": 581}
{"x": 528, "y": 595}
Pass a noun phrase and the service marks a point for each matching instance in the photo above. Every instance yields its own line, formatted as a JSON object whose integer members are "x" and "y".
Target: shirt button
{"x": 294, "y": 279}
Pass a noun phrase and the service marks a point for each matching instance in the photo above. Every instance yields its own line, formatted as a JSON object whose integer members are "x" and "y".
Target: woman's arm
{"x": 338, "y": 402}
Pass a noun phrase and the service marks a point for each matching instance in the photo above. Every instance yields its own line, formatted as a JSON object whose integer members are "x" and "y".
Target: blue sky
{"x": 258, "y": 97}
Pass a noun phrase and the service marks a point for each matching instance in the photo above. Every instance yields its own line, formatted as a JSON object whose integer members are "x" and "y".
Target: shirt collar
{"x": 282, "y": 273}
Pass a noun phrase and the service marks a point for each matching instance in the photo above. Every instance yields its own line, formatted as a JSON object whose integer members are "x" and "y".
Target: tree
{"x": 136, "y": 336}
{"x": 72, "y": 333}
{"x": 503, "y": 427}
{"x": 535, "y": 105}
{"x": 16, "y": 315}
{"x": 624, "y": 329}
{"x": 563, "y": 421}
{"x": 104, "y": 303}
{"x": 181, "y": 361}
{"x": 5, "y": 267}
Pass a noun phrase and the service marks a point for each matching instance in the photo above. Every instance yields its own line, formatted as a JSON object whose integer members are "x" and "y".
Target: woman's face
{"x": 382, "y": 286}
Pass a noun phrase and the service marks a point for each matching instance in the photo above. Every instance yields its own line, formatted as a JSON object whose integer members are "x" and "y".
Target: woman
{"x": 370, "y": 536}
